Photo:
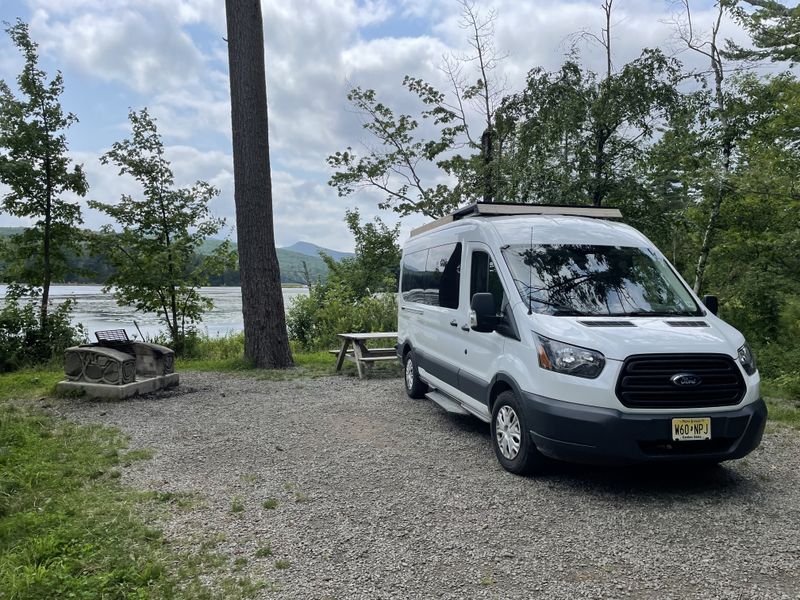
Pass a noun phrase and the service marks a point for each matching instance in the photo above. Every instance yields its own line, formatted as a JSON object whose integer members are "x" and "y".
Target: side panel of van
{"x": 478, "y": 353}
{"x": 429, "y": 309}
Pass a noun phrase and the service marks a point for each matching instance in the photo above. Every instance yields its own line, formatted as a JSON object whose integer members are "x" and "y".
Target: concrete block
{"x": 118, "y": 392}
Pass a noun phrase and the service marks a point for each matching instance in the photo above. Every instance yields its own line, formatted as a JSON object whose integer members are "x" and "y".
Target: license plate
{"x": 685, "y": 430}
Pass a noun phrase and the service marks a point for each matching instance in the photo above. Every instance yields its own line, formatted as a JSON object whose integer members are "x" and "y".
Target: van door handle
{"x": 454, "y": 323}
{"x": 465, "y": 327}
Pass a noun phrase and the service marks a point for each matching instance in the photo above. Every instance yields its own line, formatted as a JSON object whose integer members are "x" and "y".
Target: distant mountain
{"x": 94, "y": 269}
{"x": 310, "y": 249}
{"x": 291, "y": 261}
{"x": 9, "y": 231}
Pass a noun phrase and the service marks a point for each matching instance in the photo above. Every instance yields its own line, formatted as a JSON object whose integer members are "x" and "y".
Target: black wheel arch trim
{"x": 502, "y": 377}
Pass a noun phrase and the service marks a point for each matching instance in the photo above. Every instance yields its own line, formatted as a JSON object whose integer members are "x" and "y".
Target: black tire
{"x": 527, "y": 459}
{"x": 415, "y": 387}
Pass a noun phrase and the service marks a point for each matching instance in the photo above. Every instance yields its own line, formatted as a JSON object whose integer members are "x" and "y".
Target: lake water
{"x": 96, "y": 310}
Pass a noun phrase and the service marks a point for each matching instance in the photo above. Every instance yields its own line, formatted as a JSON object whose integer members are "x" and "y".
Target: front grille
{"x": 646, "y": 381}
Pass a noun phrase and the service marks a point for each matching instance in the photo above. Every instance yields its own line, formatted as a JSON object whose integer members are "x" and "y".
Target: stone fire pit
{"x": 117, "y": 367}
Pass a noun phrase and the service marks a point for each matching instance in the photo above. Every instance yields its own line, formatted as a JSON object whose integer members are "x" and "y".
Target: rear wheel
{"x": 511, "y": 437}
{"x": 415, "y": 387}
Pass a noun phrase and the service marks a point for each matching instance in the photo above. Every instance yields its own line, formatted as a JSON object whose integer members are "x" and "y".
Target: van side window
{"x": 484, "y": 278}
{"x": 432, "y": 276}
{"x": 414, "y": 277}
{"x": 444, "y": 270}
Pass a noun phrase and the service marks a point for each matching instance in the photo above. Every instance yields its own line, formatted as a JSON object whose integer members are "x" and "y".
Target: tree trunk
{"x": 47, "y": 275}
{"x": 727, "y": 153}
{"x": 266, "y": 342}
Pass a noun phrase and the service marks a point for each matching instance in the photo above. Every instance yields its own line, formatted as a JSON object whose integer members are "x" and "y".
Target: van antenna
{"x": 530, "y": 275}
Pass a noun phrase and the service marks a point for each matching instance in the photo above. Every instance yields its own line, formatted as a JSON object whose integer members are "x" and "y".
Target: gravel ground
{"x": 380, "y": 496}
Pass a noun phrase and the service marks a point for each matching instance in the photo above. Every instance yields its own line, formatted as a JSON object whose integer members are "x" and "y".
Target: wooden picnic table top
{"x": 376, "y": 335}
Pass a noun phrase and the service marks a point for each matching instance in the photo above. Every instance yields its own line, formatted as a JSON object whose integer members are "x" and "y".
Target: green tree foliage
{"x": 573, "y": 137}
{"x": 756, "y": 264}
{"x": 397, "y": 163}
{"x": 153, "y": 255}
{"x": 405, "y": 156}
{"x": 375, "y": 265}
{"x": 359, "y": 295}
{"x": 774, "y": 29}
{"x": 39, "y": 175}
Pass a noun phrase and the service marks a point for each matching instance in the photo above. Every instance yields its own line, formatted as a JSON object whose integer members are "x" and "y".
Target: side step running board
{"x": 446, "y": 403}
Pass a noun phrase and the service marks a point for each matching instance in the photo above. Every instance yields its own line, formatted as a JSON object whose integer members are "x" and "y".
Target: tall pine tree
{"x": 266, "y": 341}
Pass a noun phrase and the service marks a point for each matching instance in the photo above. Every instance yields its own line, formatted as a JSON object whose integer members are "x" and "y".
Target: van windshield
{"x": 589, "y": 280}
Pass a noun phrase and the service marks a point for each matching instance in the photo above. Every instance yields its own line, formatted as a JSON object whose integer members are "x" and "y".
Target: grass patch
{"x": 30, "y": 383}
{"x": 240, "y": 563}
{"x": 237, "y": 506}
{"x": 135, "y": 455}
{"x": 282, "y": 563}
{"x": 68, "y": 529}
{"x": 784, "y": 411}
{"x": 225, "y": 354}
{"x": 301, "y": 498}
{"x": 270, "y": 503}
{"x": 264, "y": 551}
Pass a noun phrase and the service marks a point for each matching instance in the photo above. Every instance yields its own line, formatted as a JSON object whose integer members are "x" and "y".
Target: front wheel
{"x": 415, "y": 387}
{"x": 511, "y": 437}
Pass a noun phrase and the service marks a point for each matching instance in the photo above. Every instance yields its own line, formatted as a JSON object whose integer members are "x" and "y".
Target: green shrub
{"x": 314, "y": 320}
{"x": 22, "y": 342}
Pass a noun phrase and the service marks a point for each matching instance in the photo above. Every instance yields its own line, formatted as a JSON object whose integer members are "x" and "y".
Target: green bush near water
{"x": 314, "y": 320}
{"x": 22, "y": 341}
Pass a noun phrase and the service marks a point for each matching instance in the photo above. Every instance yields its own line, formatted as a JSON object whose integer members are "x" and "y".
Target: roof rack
{"x": 505, "y": 209}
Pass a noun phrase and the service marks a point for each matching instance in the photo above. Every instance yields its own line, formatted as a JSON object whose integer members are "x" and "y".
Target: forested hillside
{"x": 89, "y": 267}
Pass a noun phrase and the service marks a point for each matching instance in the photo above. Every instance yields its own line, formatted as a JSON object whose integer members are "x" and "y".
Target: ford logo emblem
{"x": 686, "y": 379}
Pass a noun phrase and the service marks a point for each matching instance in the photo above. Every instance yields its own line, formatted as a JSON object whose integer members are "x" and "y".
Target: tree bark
{"x": 266, "y": 340}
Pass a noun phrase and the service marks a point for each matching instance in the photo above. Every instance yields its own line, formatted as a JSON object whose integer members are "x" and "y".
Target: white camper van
{"x": 574, "y": 337}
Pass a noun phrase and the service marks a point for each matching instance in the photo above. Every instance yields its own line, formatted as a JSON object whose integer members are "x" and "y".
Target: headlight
{"x": 747, "y": 359}
{"x": 571, "y": 360}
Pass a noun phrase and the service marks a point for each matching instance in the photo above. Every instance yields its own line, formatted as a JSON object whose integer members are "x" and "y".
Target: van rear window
{"x": 432, "y": 276}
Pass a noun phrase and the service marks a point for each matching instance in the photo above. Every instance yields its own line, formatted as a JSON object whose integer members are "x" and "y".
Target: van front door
{"x": 479, "y": 351}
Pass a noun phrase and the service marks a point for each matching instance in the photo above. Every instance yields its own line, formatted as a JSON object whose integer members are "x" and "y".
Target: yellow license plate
{"x": 685, "y": 430}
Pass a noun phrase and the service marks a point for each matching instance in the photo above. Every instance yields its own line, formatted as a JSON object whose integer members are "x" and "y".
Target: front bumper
{"x": 588, "y": 434}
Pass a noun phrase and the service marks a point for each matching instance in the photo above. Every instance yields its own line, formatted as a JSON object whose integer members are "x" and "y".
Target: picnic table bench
{"x": 361, "y": 355}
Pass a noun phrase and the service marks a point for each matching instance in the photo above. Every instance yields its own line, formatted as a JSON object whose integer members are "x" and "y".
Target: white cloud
{"x": 170, "y": 55}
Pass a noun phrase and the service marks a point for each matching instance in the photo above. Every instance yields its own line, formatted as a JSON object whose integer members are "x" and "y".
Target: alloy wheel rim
{"x": 508, "y": 432}
{"x": 409, "y": 373}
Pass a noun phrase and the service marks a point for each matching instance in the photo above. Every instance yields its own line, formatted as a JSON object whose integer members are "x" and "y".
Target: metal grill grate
{"x": 112, "y": 337}
{"x": 686, "y": 323}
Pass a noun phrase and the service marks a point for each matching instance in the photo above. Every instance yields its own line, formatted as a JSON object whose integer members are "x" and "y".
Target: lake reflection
{"x": 97, "y": 311}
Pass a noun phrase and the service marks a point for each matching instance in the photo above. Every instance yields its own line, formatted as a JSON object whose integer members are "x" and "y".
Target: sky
{"x": 171, "y": 56}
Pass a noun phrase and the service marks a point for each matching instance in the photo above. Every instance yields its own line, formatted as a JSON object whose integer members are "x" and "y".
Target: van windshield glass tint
{"x": 574, "y": 279}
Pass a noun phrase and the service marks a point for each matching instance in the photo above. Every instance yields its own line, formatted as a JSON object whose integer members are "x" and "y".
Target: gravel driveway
{"x": 380, "y": 496}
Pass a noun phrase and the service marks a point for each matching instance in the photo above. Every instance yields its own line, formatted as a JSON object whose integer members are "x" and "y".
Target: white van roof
{"x": 497, "y": 209}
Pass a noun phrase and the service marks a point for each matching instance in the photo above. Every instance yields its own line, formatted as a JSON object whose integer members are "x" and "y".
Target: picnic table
{"x": 361, "y": 355}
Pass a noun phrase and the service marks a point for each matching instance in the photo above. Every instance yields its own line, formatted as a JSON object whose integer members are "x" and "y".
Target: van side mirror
{"x": 483, "y": 316}
{"x": 712, "y": 304}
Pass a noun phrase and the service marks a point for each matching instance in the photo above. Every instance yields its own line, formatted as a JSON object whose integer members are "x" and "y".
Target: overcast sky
{"x": 170, "y": 56}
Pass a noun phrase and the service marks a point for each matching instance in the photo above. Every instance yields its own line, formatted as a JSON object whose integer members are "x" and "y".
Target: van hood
{"x": 648, "y": 335}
